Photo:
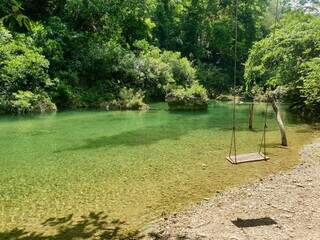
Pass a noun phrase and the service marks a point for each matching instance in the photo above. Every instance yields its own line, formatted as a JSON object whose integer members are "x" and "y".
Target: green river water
{"x": 130, "y": 166}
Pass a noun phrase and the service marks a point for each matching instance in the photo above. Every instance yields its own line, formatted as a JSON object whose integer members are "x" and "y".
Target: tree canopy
{"x": 89, "y": 50}
{"x": 289, "y": 59}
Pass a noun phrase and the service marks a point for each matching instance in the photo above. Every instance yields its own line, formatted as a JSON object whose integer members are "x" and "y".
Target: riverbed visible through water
{"x": 130, "y": 167}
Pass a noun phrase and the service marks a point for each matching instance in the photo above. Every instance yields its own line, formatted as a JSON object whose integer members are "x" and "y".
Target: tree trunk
{"x": 250, "y": 120}
{"x": 284, "y": 141}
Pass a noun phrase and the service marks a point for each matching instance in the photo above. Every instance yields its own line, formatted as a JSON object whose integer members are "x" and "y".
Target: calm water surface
{"x": 132, "y": 166}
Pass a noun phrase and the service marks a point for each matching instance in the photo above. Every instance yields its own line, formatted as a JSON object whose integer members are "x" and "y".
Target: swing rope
{"x": 263, "y": 140}
{"x": 233, "y": 137}
{"x": 233, "y": 145}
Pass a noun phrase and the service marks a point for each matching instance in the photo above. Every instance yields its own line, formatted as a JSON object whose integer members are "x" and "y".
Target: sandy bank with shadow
{"x": 282, "y": 206}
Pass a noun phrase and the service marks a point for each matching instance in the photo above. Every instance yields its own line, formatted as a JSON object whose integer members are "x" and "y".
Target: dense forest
{"x": 58, "y": 54}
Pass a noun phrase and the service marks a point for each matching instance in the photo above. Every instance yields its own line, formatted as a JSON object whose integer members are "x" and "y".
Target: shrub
{"x": 308, "y": 101}
{"x": 27, "y": 102}
{"x": 155, "y": 70}
{"x": 213, "y": 79}
{"x": 153, "y": 75}
{"x": 289, "y": 59}
{"x": 51, "y": 38}
{"x": 5, "y": 35}
{"x": 66, "y": 96}
{"x": 22, "y": 65}
{"x": 182, "y": 71}
{"x": 108, "y": 67}
{"x": 128, "y": 100}
{"x": 3, "y": 104}
{"x": 193, "y": 97}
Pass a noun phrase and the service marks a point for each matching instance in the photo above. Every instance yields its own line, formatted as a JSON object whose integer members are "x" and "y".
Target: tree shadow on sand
{"x": 91, "y": 226}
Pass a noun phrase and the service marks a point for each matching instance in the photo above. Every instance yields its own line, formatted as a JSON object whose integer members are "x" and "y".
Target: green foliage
{"x": 277, "y": 62}
{"x": 22, "y": 101}
{"x": 5, "y": 35}
{"x": 149, "y": 72}
{"x": 51, "y": 38}
{"x": 310, "y": 86}
{"x": 42, "y": 9}
{"x": 27, "y": 102}
{"x": 112, "y": 67}
{"x": 162, "y": 68}
{"x": 204, "y": 30}
{"x": 182, "y": 71}
{"x": 22, "y": 65}
{"x": 193, "y": 97}
{"x": 213, "y": 79}
{"x": 108, "y": 67}
{"x": 94, "y": 48}
{"x": 3, "y": 104}
{"x": 24, "y": 78}
{"x": 290, "y": 59}
{"x": 115, "y": 19}
{"x": 66, "y": 96}
{"x": 128, "y": 100}
{"x": 13, "y": 17}
{"x": 168, "y": 15}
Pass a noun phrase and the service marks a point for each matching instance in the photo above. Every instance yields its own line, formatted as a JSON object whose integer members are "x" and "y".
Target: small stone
{"x": 234, "y": 238}
{"x": 182, "y": 236}
{"x": 206, "y": 199}
{"x": 202, "y": 235}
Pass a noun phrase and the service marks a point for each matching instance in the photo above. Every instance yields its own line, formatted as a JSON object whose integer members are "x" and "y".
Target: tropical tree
{"x": 13, "y": 17}
{"x": 289, "y": 59}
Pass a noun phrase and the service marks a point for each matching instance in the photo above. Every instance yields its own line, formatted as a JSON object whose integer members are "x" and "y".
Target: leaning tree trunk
{"x": 284, "y": 141}
{"x": 250, "y": 120}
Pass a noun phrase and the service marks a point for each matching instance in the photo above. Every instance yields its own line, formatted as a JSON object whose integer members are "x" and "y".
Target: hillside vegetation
{"x": 83, "y": 53}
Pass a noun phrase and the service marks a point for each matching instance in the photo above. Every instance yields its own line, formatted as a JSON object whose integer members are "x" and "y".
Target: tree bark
{"x": 284, "y": 141}
{"x": 250, "y": 120}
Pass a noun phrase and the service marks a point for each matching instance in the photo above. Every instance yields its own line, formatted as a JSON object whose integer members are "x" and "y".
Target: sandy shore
{"x": 283, "y": 206}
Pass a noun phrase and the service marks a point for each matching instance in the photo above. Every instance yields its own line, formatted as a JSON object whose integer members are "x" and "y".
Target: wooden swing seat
{"x": 249, "y": 157}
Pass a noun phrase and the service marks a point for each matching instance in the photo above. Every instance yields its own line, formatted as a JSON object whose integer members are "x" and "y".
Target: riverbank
{"x": 282, "y": 206}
